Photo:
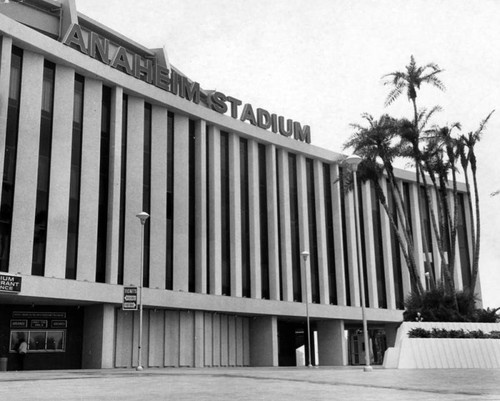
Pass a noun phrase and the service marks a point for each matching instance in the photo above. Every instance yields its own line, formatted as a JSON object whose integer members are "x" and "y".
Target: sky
{"x": 320, "y": 62}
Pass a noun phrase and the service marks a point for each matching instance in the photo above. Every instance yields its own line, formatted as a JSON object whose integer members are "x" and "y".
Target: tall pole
{"x": 354, "y": 161}
{"x": 143, "y": 216}
{"x": 305, "y": 255}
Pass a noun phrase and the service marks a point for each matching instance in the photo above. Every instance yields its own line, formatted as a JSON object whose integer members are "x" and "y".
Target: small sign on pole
{"x": 129, "y": 298}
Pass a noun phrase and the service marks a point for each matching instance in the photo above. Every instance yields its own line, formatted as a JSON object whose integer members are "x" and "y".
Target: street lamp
{"x": 142, "y": 216}
{"x": 305, "y": 255}
{"x": 353, "y": 161}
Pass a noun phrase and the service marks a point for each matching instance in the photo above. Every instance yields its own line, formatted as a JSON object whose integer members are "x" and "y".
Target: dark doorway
{"x": 292, "y": 336}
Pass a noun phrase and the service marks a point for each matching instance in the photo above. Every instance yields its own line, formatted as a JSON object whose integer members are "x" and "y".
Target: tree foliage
{"x": 438, "y": 155}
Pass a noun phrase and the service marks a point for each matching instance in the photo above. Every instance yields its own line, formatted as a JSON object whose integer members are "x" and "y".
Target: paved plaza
{"x": 224, "y": 384}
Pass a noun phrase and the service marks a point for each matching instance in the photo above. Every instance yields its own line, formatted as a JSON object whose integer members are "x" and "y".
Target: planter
{"x": 444, "y": 353}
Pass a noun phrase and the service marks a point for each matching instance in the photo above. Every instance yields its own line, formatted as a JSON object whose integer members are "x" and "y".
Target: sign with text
{"x": 129, "y": 298}
{"x": 10, "y": 283}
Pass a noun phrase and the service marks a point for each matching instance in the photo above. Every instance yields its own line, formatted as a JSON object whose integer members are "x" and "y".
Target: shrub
{"x": 419, "y": 332}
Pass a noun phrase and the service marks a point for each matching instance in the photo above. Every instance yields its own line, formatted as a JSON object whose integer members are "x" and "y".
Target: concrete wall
{"x": 264, "y": 341}
{"x": 173, "y": 338}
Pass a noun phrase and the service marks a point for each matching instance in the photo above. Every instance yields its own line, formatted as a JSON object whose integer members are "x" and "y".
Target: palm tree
{"x": 468, "y": 159}
{"x": 376, "y": 145}
{"x": 410, "y": 81}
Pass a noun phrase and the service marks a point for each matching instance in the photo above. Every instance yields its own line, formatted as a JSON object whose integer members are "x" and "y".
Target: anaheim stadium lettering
{"x": 162, "y": 77}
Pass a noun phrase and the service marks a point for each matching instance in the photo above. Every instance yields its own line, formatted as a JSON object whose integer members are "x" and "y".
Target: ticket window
{"x": 39, "y": 340}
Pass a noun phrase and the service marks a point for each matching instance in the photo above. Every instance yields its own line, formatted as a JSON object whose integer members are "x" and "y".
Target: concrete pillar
{"x": 272, "y": 223}
{"x": 405, "y": 274}
{"x": 134, "y": 185}
{"x": 181, "y": 204}
{"x": 391, "y": 330}
{"x": 158, "y": 219}
{"x": 417, "y": 231}
{"x": 98, "y": 337}
{"x": 5, "y": 66}
{"x": 350, "y": 237}
{"x": 332, "y": 345}
{"x": 60, "y": 173}
{"x": 319, "y": 191}
{"x": 264, "y": 341}
{"x": 285, "y": 226}
{"x": 23, "y": 219}
{"x": 370, "y": 260}
{"x": 235, "y": 215}
{"x": 338, "y": 236}
{"x": 114, "y": 185}
{"x": 386, "y": 230}
{"x": 214, "y": 211}
{"x": 436, "y": 257}
{"x": 201, "y": 207}
{"x": 306, "y": 268}
{"x": 254, "y": 220}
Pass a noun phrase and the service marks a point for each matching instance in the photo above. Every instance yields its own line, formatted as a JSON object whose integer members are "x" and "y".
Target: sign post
{"x": 129, "y": 298}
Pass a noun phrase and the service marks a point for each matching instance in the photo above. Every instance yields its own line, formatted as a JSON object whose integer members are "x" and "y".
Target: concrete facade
{"x": 232, "y": 205}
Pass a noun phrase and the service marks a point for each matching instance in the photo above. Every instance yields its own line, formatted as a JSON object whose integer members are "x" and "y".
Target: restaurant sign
{"x": 10, "y": 283}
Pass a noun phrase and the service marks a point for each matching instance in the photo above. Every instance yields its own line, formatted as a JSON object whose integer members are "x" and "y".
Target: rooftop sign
{"x": 147, "y": 70}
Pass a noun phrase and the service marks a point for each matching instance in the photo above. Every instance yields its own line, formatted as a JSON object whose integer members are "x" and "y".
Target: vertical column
{"x": 332, "y": 344}
{"x": 319, "y": 190}
{"x": 417, "y": 231}
{"x": 181, "y": 204}
{"x": 90, "y": 158}
{"x": 235, "y": 215}
{"x": 338, "y": 236}
{"x": 201, "y": 207}
{"x": 304, "y": 228}
{"x": 387, "y": 252}
{"x": 285, "y": 226}
{"x": 350, "y": 237}
{"x": 435, "y": 256}
{"x": 254, "y": 218}
{"x": 23, "y": 218}
{"x": 98, "y": 337}
{"x": 405, "y": 274}
{"x": 214, "y": 206}
{"x": 272, "y": 222}
{"x": 133, "y": 191}
{"x": 264, "y": 341}
{"x": 457, "y": 272}
{"x": 371, "y": 262}
{"x": 5, "y": 62}
{"x": 158, "y": 221}
{"x": 60, "y": 173}
{"x": 199, "y": 339}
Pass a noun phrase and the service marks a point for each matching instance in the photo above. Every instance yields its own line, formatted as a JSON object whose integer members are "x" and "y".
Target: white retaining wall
{"x": 441, "y": 353}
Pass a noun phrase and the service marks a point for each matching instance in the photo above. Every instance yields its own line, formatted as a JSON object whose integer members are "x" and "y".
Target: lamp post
{"x": 428, "y": 280}
{"x": 353, "y": 161}
{"x": 305, "y": 255}
{"x": 142, "y": 216}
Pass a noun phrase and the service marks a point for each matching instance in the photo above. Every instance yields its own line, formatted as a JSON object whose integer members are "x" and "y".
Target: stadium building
{"x": 95, "y": 128}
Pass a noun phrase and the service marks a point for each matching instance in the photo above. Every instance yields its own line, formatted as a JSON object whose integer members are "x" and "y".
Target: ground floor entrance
{"x": 53, "y": 337}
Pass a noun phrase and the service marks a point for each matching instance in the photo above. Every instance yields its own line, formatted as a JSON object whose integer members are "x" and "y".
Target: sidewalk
{"x": 225, "y": 384}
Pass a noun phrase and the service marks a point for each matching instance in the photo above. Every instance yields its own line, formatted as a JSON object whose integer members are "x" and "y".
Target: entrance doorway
{"x": 357, "y": 348}
{"x": 292, "y": 344}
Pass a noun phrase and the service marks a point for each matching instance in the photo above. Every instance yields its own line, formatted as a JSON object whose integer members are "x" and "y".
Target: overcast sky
{"x": 320, "y": 62}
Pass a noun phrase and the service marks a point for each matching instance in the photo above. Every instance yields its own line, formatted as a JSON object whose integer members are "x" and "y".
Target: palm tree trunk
{"x": 475, "y": 262}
